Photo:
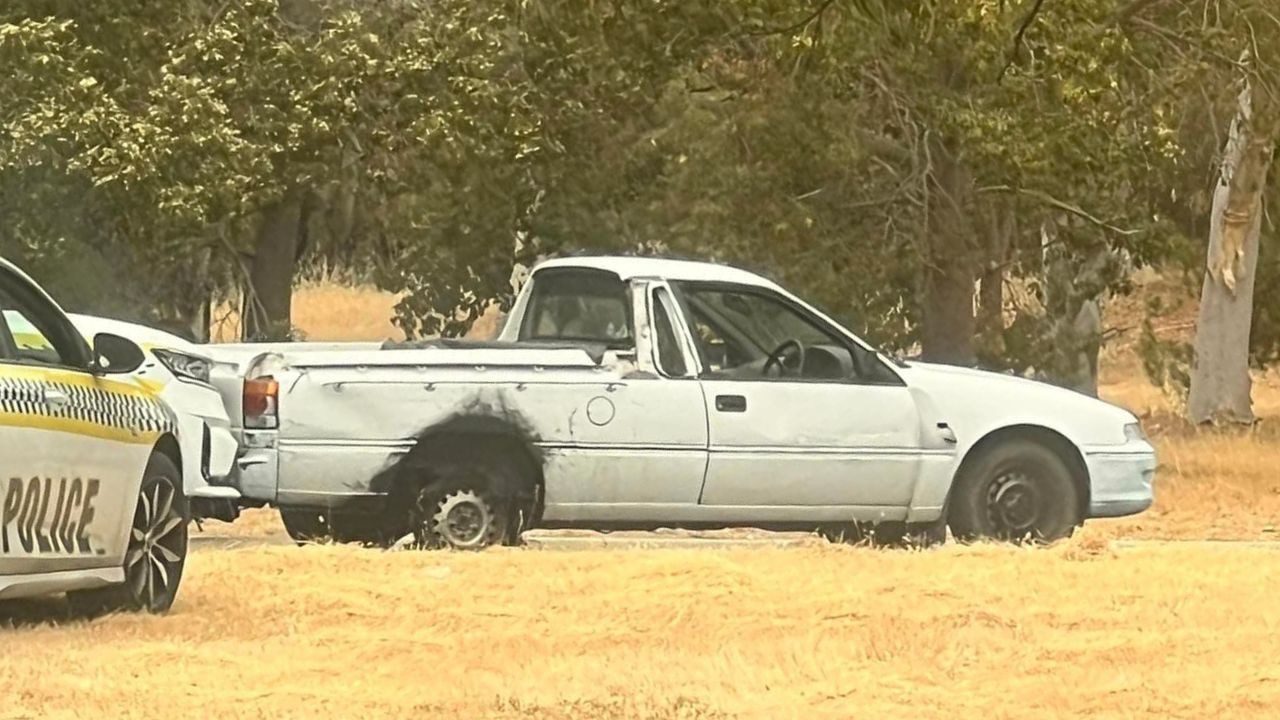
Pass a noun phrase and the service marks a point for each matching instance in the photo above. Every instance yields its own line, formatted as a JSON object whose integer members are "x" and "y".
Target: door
{"x": 70, "y": 468}
{"x": 628, "y": 443}
{"x": 797, "y": 414}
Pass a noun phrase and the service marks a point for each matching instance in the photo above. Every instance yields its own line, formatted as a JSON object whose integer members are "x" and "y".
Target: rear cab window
{"x": 578, "y": 305}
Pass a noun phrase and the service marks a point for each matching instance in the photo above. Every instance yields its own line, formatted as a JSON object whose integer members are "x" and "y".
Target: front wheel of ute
{"x": 464, "y": 508}
{"x": 1019, "y": 491}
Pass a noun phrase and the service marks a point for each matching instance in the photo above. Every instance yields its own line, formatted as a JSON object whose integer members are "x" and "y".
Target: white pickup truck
{"x": 628, "y": 392}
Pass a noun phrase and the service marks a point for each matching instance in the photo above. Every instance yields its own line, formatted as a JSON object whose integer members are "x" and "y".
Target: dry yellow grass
{"x": 329, "y": 312}
{"x": 990, "y": 632}
{"x": 334, "y": 313}
{"x": 802, "y": 633}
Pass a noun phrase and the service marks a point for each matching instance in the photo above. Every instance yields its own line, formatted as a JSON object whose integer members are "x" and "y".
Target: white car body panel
{"x": 207, "y": 443}
{"x": 621, "y": 442}
{"x": 976, "y": 403}
{"x": 75, "y": 514}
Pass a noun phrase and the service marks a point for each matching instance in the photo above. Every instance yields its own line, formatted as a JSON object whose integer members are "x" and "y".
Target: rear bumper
{"x": 1121, "y": 480}
{"x": 256, "y": 471}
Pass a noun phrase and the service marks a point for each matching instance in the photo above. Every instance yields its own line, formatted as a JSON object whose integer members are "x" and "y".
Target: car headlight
{"x": 1133, "y": 432}
{"x": 189, "y": 367}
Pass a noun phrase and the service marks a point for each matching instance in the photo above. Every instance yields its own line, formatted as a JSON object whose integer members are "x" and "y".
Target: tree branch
{"x": 1127, "y": 13}
{"x": 817, "y": 13}
{"x": 1059, "y": 204}
{"x": 882, "y": 146}
{"x": 1018, "y": 39}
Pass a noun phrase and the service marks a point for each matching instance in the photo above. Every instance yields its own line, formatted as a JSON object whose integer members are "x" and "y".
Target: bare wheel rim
{"x": 1014, "y": 505}
{"x": 464, "y": 519}
{"x": 155, "y": 552}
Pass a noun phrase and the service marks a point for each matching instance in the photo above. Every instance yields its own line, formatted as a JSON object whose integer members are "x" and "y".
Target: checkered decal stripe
{"x": 23, "y": 396}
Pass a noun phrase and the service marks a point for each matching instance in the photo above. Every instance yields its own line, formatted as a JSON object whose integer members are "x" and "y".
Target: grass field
{"x": 1083, "y": 628}
{"x": 806, "y": 633}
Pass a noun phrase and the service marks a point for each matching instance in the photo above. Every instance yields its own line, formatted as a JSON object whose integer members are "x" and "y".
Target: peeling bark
{"x": 1220, "y": 383}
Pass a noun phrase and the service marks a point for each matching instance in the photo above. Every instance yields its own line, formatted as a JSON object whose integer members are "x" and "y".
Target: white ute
{"x": 91, "y": 492}
{"x": 637, "y": 393}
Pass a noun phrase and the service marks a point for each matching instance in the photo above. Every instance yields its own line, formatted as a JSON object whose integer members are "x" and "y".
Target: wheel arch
{"x": 168, "y": 446}
{"x": 477, "y": 437}
{"x": 1060, "y": 444}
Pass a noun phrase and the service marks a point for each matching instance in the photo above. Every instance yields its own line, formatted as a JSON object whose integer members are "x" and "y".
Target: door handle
{"x": 56, "y": 398}
{"x": 731, "y": 403}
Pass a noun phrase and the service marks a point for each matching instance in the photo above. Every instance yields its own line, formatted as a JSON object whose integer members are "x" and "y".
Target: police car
{"x": 91, "y": 489}
{"x": 180, "y": 373}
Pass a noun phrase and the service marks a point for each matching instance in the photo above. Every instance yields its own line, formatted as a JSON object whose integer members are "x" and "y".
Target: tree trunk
{"x": 1087, "y": 328}
{"x": 950, "y": 273}
{"x": 991, "y": 299}
{"x": 268, "y": 309}
{"x": 1220, "y": 383}
{"x": 1000, "y": 230}
{"x": 948, "y": 325}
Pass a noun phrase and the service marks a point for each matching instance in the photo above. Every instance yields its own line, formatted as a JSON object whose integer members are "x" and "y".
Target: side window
{"x": 29, "y": 344}
{"x": 749, "y": 334}
{"x": 579, "y": 306}
{"x": 670, "y": 356}
{"x": 30, "y": 337}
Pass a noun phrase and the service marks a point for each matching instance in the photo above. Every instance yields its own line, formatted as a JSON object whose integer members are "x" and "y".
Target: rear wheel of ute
{"x": 305, "y": 526}
{"x": 466, "y": 506}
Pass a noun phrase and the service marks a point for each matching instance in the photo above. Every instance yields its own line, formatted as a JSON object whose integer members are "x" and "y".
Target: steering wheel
{"x": 779, "y": 354}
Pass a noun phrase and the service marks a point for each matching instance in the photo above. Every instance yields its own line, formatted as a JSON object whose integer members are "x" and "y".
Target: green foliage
{"x": 1167, "y": 363}
{"x": 843, "y": 147}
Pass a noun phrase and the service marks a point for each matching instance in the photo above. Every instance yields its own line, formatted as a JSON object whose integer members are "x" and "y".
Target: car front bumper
{"x": 1121, "y": 479}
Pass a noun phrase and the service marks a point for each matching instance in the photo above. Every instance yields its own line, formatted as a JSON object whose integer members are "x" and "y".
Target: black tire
{"x": 1017, "y": 491}
{"x": 468, "y": 504}
{"x": 157, "y": 551}
{"x": 305, "y": 526}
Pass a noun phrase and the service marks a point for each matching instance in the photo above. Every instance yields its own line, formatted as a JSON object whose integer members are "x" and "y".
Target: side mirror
{"x": 115, "y": 355}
